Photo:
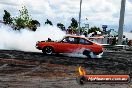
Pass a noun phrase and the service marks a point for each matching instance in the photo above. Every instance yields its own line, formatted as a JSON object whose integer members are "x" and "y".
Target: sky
{"x": 97, "y": 12}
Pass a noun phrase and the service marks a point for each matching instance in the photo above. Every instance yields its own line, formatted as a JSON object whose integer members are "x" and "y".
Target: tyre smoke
{"x": 25, "y": 40}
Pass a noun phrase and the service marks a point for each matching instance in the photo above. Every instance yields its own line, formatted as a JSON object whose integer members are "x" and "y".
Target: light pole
{"x": 121, "y": 22}
{"x": 87, "y": 25}
{"x": 80, "y": 17}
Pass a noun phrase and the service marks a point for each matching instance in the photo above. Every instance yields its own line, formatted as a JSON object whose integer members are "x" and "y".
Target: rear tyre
{"x": 87, "y": 53}
{"x": 48, "y": 50}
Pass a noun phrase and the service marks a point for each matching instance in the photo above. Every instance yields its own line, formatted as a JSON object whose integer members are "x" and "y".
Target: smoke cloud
{"x": 25, "y": 40}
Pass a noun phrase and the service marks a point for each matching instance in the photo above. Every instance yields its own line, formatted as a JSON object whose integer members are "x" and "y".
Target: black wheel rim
{"x": 48, "y": 50}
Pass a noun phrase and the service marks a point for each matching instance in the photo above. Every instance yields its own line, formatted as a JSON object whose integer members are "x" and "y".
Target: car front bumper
{"x": 38, "y": 47}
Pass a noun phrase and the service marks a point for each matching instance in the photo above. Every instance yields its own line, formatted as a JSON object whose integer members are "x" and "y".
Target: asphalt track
{"x": 19, "y": 69}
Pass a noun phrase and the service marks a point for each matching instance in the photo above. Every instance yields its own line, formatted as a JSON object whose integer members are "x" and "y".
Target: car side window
{"x": 65, "y": 40}
{"x": 84, "y": 41}
{"x": 70, "y": 40}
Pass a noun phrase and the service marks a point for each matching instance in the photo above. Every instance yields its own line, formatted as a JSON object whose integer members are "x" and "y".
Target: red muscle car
{"x": 70, "y": 44}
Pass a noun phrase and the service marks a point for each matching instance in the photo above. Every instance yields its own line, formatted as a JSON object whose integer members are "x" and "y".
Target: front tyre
{"x": 48, "y": 50}
{"x": 87, "y": 53}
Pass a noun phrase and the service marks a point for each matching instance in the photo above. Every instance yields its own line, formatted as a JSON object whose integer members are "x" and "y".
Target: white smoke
{"x": 25, "y": 40}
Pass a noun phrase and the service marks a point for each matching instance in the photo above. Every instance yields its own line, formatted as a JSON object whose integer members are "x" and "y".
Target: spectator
{"x": 130, "y": 43}
{"x": 114, "y": 41}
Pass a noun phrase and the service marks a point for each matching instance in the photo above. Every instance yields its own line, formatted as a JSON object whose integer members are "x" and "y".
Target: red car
{"x": 70, "y": 44}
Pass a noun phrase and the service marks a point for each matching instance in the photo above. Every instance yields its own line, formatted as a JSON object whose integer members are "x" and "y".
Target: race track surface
{"x": 19, "y": 69}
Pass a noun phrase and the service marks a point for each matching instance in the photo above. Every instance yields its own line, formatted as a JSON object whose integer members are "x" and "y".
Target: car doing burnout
{"x": 70, "y": 44}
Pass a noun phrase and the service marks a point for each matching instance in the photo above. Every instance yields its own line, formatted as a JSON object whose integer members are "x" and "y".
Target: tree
{"x": 19, "y": 23}
{"x": 74, "y": 23}
{"x": 33, "y": 24}
{"x": 48, "y": 22}
{"x": 69, "y": 27}
{"x": 61, "y": 26}
{"x": 7, "y": 18}
{"x": 23, "y": 20}
{"x": 73, "y": 27}
{"x": 93, "y": 29}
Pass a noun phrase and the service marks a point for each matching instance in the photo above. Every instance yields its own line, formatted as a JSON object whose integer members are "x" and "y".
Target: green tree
{"x": 74, "y": 23}
{"x": 33, "y": 24}
{"x": 61, "y": 26}
{"x": 19, "y": 23}
{"x": 48, "y": 22}
{"x": 69, "y": 27}
{"x": 73, "y": 27}
{"x": 93, "y": 29}
{"x": 7, "y": 18}
{"x": 23, "y": 20}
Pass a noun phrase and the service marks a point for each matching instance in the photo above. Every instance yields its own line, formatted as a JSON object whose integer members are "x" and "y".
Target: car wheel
{"x": 81, "y": 80}
{"x": 48, "y": 50}
{"x": 87, "y": 53}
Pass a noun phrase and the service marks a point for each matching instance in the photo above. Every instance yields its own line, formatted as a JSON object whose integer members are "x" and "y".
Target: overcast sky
{"x": 98, "y": 12}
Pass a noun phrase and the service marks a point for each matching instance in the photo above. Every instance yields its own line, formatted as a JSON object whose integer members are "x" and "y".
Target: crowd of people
{"x": 114, "y": 41}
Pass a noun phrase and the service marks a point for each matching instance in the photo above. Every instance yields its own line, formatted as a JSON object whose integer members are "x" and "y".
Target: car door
{"x": 85, "y": 44}
{"x": 67, "y": 45}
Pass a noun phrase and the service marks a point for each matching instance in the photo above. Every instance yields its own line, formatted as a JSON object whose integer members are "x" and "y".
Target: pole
{"x": 80, "y": 17}
{"x": 121, "y": 22}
